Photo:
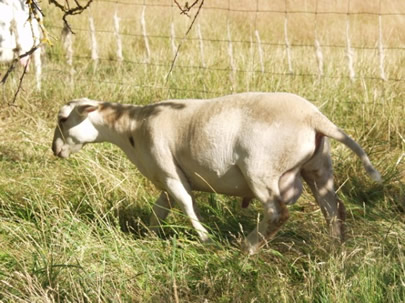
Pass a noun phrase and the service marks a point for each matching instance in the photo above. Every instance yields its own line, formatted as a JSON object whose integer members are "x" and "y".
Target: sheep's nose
{"x": 57, "y": 142}
{"x": 57, "y": 145}
{"x": 56, "y": 151}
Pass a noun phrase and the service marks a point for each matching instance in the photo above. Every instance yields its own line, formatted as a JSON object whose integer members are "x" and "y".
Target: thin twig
{"x": 184, "y": 37}
{"x": 34, "y": 13}
{"x": 15, "y": 61}
{"x": 19, "y": 85}
{"x": 187, "y": 8}
{"x": 68, "y": 11}
{"x": 12, "y": 67}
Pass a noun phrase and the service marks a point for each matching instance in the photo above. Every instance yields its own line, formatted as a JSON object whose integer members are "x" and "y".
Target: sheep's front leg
{"x": 181, "y": 192}
{"x": 160, "y": 210}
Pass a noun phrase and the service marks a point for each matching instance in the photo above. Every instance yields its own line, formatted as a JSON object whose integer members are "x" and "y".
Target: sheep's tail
{"x": 323, "y": 125}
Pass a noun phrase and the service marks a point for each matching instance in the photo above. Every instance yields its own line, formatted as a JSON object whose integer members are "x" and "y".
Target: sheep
{"x": 18, "y": 35}
{"x": 251, "y": 145}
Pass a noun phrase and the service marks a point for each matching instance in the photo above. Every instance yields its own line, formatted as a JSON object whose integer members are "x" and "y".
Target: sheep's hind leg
{"x": 318, "y": 174}
{"x": 275, "y": 215}
{"x": 160, "y": 210}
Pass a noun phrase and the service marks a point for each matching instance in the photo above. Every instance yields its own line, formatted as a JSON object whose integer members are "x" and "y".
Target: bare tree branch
{"x": 184, "y": 11}
{"x": 19, "y": 85}
{"x": 187, "y": 7}
{"x": 36, "y": 13}
{"x": 15, "y": 61}
{"x": 69, "y": 10}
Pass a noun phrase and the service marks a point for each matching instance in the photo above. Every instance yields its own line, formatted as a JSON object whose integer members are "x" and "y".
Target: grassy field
{"x": 76, "y": 230}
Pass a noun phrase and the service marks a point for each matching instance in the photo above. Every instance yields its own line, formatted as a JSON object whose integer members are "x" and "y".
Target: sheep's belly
{"x": 231, "y": 182}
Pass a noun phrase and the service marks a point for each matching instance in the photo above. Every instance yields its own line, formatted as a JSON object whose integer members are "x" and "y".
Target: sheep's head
{"x": 74, "y": 128}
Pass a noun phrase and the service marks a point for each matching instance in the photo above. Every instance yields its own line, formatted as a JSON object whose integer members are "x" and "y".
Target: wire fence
{"x": 319, "y": 41}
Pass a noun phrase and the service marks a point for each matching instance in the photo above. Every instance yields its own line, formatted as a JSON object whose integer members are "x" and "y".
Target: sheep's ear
{"x": 85, "y": 109}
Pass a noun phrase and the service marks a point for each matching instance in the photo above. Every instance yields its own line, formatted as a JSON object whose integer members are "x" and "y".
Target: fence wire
{"x": 256, "y": 42}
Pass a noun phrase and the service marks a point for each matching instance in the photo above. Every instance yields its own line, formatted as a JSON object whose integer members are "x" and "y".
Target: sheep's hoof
{"x": 249, "y": 249}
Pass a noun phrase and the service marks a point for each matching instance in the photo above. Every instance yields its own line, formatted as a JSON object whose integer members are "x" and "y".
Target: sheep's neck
{"x": 116, "y": 122}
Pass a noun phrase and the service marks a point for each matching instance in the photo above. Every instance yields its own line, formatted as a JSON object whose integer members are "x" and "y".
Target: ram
{"x": 251, "y": 145}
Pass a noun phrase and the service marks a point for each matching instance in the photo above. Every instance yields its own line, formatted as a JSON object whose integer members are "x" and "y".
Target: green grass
{"x": 76, "y": 230}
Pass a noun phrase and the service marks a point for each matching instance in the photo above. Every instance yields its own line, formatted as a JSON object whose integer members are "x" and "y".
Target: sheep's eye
{"x": 62, "y": 120}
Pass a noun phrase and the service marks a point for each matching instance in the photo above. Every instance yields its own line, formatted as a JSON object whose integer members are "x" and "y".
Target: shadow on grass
{"x": 227, "y": 222}
{"x": 389, "y": 196}
{"x": 132, "y": 218}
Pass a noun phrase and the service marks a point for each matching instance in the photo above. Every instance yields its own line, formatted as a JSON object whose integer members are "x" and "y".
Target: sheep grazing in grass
{"x": 251, "y": 145}
{"x": 18, "y": 35}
